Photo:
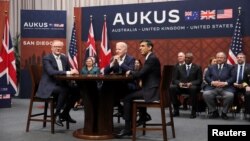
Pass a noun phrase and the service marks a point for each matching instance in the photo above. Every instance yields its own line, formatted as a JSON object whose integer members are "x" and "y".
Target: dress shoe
{"x": 214, "y": 115}
{"x": 224, "y": 116}
{"x": 143, "y": 119}
{"x": 58, "y": 121}
{"x": 65, "y": 117}
{"x": 176, "y": 114}
{"x": 124, "y": 132}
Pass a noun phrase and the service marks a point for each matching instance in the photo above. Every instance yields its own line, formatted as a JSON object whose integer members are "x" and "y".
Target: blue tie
{"x": 188, "y": 70}
{"x": 240, "y": 78}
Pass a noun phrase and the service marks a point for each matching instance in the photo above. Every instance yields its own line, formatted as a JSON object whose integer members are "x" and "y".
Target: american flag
{"x": 105, "y": 52}
{"x": 207, "y": 14}
{"x": 236, "y": 44}
{"x": 73, "y": 49}
{"x": 91, "y": 48}
{"x": 225, "y": 14}
{"x": 8, "y": 79}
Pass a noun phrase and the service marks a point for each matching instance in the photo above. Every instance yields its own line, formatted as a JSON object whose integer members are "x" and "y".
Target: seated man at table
{"x": 119, "y": 64}
{"x": 150, "y": 74}
{"x": 56, "y": 63}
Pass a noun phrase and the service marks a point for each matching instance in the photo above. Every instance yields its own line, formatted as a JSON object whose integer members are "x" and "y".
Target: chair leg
{"x": 164, "y": 128}
{"x": 45, "y": 113}
{"x": 172, "y": 121}
{"x": 134, "y": 121}
{"x": 67, "y": 125}
{"x": 29, "y": 116}
{"x": 52, "y": 117}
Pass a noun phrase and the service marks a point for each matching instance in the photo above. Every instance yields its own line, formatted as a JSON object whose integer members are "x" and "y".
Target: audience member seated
{"x": 246, "y": 85}
{"x": 186, "y": 79}
{"x": 150, "y": 74}
{"x": 239, "y": 70}
{"x": 220, "y": 79}
{"x": 56, "y": 63}
{"x": 89, "y": 69}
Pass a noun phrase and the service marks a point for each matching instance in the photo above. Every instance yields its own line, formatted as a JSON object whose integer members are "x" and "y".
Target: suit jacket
{"x": 150, "y": 74}
{"x": 48, "y": 82}
{"x": 247, "y": 66}
{"x": 246, "y": 78}
{"x": 128, "y": 64}
{"x": 227, "y": 75}
{"x": 195, "y": 75}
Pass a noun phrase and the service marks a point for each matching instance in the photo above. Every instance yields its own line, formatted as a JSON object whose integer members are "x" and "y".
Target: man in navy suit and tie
{"x": 220, "y": 78}
{"x": 186, "y": 79}
{"x": 56, "y": 63}
{"x": 120, "y": 63}
{"x": 239, "y": 70}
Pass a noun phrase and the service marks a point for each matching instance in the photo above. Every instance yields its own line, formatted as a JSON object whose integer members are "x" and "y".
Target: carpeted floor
{"x": 13, "y": 124}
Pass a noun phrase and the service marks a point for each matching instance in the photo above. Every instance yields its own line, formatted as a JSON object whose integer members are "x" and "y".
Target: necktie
{"x": 59, "y": 63}
{"x": 220, "y": 69}
{"x": 188, "y": 70}
{"x": 240, "y": 78}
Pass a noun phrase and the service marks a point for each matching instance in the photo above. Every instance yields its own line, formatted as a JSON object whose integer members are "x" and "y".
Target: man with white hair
{"x": 56, "y": 63}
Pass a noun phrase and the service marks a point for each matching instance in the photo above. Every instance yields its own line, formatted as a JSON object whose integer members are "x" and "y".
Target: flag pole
{"x": 239, "y": 10}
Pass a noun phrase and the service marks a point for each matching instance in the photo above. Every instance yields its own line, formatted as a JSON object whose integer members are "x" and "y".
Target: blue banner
{"x": 177, "y": 19}
{"x": 43, "y": 24}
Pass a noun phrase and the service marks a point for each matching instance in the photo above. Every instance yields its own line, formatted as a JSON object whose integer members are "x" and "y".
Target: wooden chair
{"x": 36, "y": 73}
{"x": 162, "y": 104}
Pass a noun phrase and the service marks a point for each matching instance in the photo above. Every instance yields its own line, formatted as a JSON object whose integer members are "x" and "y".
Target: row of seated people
{"x": 218, "y": 79}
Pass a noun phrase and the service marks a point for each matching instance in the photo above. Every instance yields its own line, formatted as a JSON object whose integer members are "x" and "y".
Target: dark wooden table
{"x": 98, "y": 104}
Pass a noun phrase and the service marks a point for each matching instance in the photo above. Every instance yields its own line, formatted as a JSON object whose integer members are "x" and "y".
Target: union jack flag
{"x": 207, "y": 14}
{"x": 91, "y": 48}
{"x": 236, "y": 44}
{"x": 105, "y": 52}
{"x": 8, "y": 79}
{"x": 73, "y": 49}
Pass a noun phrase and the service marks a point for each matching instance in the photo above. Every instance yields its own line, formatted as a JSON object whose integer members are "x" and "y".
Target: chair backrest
{"x": 36, "y": 74}
{"x": 166, "y": 79}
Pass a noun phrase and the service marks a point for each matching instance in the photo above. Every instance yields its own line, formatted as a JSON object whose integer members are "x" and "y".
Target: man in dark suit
{"x": 56, "y": 63}
{"x": 239, "y": 70}
{"x": 120, "y": 63}
{"x": 220, "y": 78}
{"x": 150, "y": 75}
{"x": 187, "y": 79}
{"x": 246, "y": 85}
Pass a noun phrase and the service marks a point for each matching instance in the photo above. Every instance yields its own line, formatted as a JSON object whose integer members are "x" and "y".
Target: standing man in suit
{"x": 220, "y": 78}
{"x": 150, "y": 74}
{"x": 187, "y": 79}
{"x": 239, "y": 70}
{"x": 56, "y": 63}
